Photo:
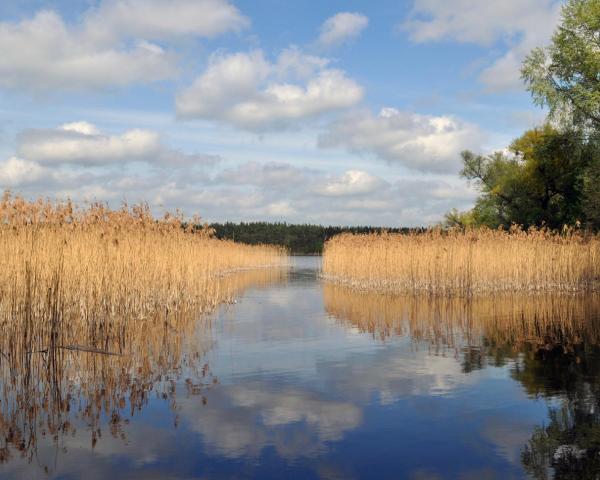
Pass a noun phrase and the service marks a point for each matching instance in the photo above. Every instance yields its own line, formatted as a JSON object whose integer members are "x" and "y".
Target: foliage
{"x": 541, "y": 180}
{"x": 565, "y": 75}
{"x": 591, "y": 195}
{"x": 551, "y": 174}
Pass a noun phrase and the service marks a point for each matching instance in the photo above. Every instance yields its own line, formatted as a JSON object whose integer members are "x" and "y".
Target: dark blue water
{"x": 296, "y": 385}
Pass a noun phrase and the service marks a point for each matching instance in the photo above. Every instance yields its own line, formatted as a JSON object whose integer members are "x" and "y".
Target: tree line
{"x": 303, "y": 239}
{"x": 550, "y": 175}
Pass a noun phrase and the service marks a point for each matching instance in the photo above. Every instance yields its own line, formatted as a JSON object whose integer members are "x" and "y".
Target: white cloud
{"x": 352, "y": 182}
{"x": 247, "y": 91}
{"x": 163, "y": 19}
{"x": 389, "y": 377}
{"x": 271, "y": 192}
{"x": 420, "y": 142}
{"x": 43, "y": 53}
{"x": 271, "y": 174}
{"x": 82, "y": 127}
{"x": 16, "y": 172}
{"x": 342, "y": 27}
{"x": 519, "y": 25}
{"x": 280, "y": 209}
{"x": 244, "y": 419}
{"x": 83, "y": 143}
{"x": 109, "y": 47}
{"x": 82, "y": 161}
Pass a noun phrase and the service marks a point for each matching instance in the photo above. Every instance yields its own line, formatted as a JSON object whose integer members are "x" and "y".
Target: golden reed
{"x": 464, "y": 263}
{"x": 98, "y": 263}
{"x": 98, "y": 308}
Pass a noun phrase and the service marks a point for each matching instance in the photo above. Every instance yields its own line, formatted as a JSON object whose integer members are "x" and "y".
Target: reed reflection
{"x": 551, "y": 344}
{"x": 72, "y": 376}
{"x": 513, "y": 321}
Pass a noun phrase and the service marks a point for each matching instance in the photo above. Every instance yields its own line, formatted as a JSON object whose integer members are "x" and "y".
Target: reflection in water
{"x": 241, "y": 421}
{"x": 298, "y": 379}
{"x": 543, "y": 321}
{"x": 552, "y": 343}
{"x": 53, "y": 384}
{"x": 570, "y": 442}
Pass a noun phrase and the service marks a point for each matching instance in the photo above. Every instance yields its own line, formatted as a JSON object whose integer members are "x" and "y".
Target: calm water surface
{"x": 298, "y": 379}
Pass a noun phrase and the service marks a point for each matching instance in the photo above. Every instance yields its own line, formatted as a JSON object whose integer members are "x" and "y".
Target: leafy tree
{"x": 540, "y": 181}
{"x": 565, "y": 76}
{"x": 591, "y": 195}
{"x": 457, "y": 219}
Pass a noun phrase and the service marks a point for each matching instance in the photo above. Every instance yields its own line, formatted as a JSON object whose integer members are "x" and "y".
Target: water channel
{"x": 300, "y": 379}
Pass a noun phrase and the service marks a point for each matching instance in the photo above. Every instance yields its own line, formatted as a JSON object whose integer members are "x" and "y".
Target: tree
{"x": 539, "y": 181}
{"x": 298, "y": 239}
{"x": 457, "y": 219}
{"x": 565, "y": 76}
{"x": 591, "y": 195}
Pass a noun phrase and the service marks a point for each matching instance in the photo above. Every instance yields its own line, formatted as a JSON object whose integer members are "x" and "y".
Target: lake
{"x": 300, "y": 379}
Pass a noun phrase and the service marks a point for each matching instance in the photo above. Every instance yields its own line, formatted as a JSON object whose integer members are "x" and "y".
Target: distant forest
{"x": 298, "y": 239}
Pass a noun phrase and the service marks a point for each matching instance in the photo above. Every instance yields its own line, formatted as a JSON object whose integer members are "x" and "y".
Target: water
{"x": 298, "y": 379}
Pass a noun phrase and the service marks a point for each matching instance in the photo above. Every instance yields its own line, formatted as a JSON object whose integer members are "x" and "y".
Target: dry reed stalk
{"x": 76, "y": 284}
{"x": 465, "y": 263}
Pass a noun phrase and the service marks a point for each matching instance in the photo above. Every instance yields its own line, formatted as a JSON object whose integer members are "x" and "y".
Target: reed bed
{"x": 100, "y": 264}
{"x": 96, "y": 306}
{"x": 50, "y": 394}
{"x": 542, "y": 321}
{"x": 463, "y": 263}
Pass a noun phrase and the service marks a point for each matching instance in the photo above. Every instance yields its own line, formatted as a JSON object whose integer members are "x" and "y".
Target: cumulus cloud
{"x": 81, "y": 161}
{"x": 256, "y": 191}
{"x": 342, "y": 27}
{"x": 83, "y": 143}
{"x": 420, "y": 142}
{"x": 163, "y": 19}
{"x": 248, "y": 91}
{"x": 110, "y": 47}
{"x": 43, "y": 53}
{"x": 15, "y": 172}
{"x": 352, "y": 182}
{"x": 358, "y": 199}
{"x": 519, "y": 25}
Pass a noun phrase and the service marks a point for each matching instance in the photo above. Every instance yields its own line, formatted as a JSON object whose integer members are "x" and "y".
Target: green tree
{"x": 591, "y": 195}
{"x": 565, "y": 76}
{"x": 457, "y": 219}
{"x": 540, "y": 181}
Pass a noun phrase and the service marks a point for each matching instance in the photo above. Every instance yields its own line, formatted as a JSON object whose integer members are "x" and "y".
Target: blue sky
{"x": 333, "y": 112}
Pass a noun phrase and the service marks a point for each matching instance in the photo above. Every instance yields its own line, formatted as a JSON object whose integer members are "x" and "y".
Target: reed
{"x": 99, "y": 263}
{"x": 106, "y": 271}
{"x": 464, "y": 263}
{"x": 98, "y": 308}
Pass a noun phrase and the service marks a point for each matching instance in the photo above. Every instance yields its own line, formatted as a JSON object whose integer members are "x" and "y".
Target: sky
{"x": 340, "y": 112}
